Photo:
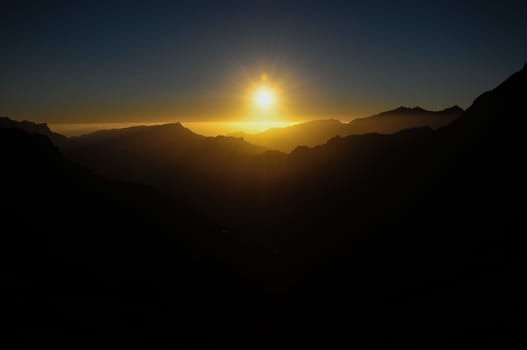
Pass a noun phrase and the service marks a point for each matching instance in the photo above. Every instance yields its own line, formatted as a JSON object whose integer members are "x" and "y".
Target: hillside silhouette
{"x": 34, "y": 128}
{"x": 318, "y": 132}
{"x": 167, "y": 156}
{"x": 409, "y": 238}
{"x": 96, "y": 260}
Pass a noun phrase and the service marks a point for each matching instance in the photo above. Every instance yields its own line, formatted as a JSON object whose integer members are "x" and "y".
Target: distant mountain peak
{"x": 420, "y": 110}
{"x": 331, "y": 121}
{"x": 404, "y": 109}
{"x": 454, "y": 108}
{"x": 37, "y": 127}
{"x": 176, "y": 125}
{"x": 32, "y": 127}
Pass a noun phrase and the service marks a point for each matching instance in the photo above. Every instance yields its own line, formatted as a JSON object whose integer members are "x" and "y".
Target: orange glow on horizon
{"x": 260, "y": 106}
{"x": 205, "y": 128}
{"x": 264, "y": 106}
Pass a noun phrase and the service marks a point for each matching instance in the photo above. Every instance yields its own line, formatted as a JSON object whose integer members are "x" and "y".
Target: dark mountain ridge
{"x": 318, "y": 132}
{"x": 36, "y": 128}
{"x": 412, "y": 237}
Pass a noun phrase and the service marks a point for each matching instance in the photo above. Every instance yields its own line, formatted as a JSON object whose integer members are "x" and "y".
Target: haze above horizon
{"x": 260, "y": 63}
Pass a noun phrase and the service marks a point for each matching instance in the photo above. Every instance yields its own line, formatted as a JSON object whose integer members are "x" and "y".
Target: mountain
{"x": 318, "y": 132}
{"x": 173, "y": 139}
{"x": 286, "y": 139}
{"x": 31, "y": 127}
{"x": 498, "y": 112}
{"x": 412, "y": 238}
{"x": 403, "y": 118}
{"x": 424, "y": 220}
{"x": 106, "y": 261}
{"x": 166, "y": 156}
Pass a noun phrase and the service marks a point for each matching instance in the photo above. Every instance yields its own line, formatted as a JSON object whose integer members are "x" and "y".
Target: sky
{"x": 121, "y": 61}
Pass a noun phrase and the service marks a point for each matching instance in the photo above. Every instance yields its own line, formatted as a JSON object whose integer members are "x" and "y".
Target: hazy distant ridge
{"x": 318, "y": 132}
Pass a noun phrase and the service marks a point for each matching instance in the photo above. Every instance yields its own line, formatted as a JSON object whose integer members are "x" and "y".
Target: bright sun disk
{"x": 264, "y": 98}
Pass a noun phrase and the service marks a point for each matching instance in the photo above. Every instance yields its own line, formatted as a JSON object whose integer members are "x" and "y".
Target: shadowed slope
{"x": 92, "y": 261}
{"x": 164, "y": 154}
{"x": 421, "y": 220}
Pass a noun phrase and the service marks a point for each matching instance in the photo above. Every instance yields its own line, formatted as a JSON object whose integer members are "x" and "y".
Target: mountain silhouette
{"x": 403, "y": 118}
{"x": 31, "y": 127}
{"x": 318, "y": 132}
{"x": 168, "y": 156}
{"x": 411, "y": 238}
{"x": 87, "y": 258}
{"x": 498, "y": 112}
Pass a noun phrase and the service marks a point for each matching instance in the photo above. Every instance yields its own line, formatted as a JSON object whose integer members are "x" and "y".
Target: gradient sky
{"x": 112, "y": 61}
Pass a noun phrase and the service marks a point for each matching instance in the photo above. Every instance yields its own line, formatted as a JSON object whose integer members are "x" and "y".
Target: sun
{"x": 264, "y": 98}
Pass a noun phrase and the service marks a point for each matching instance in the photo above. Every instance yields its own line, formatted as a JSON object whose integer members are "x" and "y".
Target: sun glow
{"x": 264, "y": 98}
{"x": 266, "y": 105}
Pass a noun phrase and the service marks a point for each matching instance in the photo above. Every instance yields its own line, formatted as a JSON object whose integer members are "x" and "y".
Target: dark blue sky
{"x": 194, "y": 60}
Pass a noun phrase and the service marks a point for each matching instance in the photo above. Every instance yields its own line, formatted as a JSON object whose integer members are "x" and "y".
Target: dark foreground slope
{"x": 408, "y": 239}
{"x": 418, "y": 233}
{"x": 94, "y": 263}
